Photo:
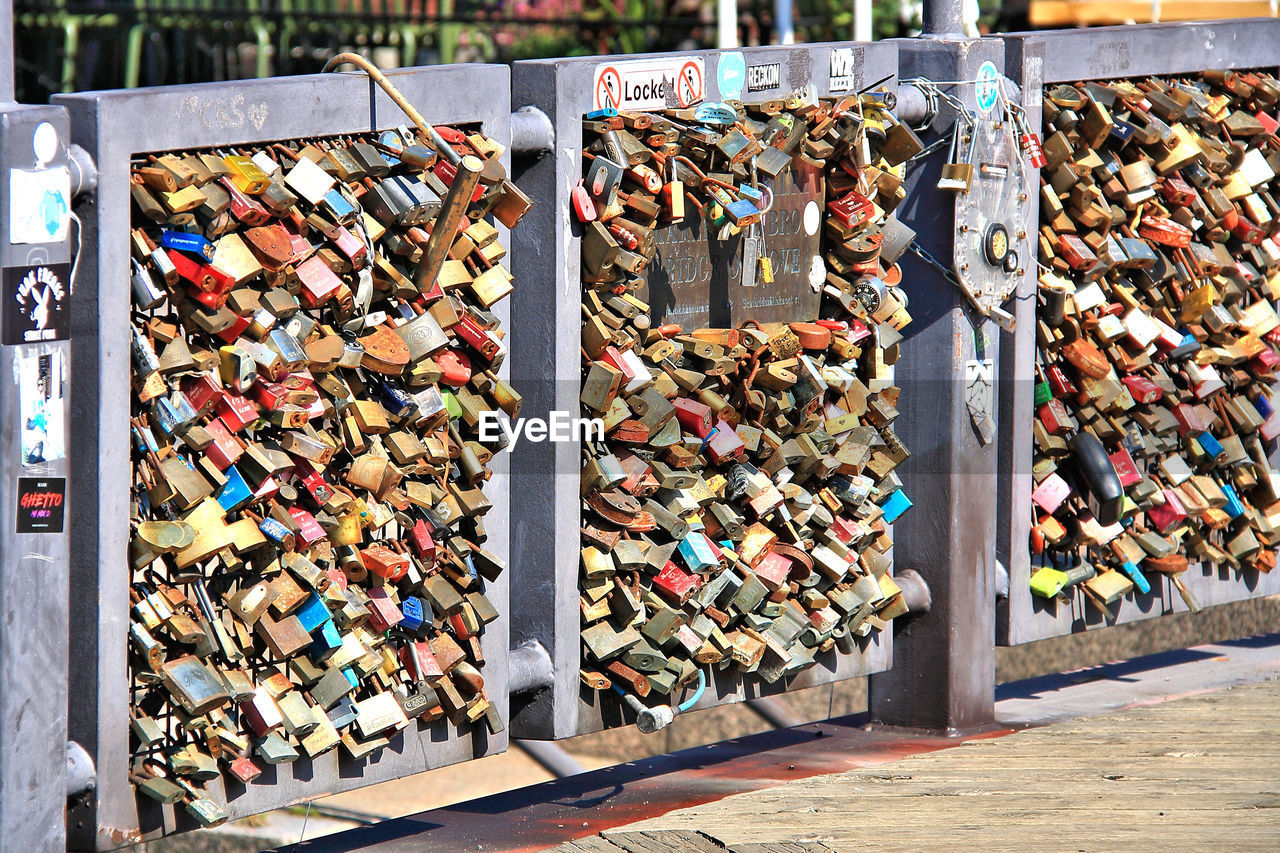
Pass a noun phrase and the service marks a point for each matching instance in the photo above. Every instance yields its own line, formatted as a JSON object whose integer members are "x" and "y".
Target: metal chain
{"x": 923, "y": 254}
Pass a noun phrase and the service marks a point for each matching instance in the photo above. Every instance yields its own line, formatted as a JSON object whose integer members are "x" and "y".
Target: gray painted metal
{"x": 943, "y": 674}
{"x": 943, "y": 17}
{"x": 1034, "y": 60}
{"x": 113, "y": 126}
{"x": 1100, "y": 53}
{"x": 545, "y": 545}
{"x": 33, "y": 566}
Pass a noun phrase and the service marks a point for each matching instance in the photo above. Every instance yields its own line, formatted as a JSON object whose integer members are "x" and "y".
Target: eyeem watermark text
{"x": 561, "y": 426}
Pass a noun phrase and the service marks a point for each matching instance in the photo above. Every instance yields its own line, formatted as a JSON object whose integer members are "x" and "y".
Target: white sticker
{"x": 844, "y": 69}
{"x": 39, "y": 205}
{"x": 42, "y": 405}
{"x": 817, "y": 273}
{"x": 648, "y": 84}
{"x": 44, "y": 143}
{"x": 979, "y": 394}
{"x": 812, "y": 218}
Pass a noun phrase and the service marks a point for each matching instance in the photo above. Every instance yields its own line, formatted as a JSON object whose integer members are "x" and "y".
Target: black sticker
{"x": 34, "y": 303}
{"x": 41, "y": 504}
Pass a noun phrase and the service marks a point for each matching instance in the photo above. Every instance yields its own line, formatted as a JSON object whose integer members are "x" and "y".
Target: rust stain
{"x": 655, "y": 796}
{"x": 121, "y": 836}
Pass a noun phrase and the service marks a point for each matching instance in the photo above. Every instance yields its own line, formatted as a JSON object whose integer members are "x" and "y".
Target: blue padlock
{"x": 1135, "y": 574}
{"x": 895, "y": 505}
{"x": 1189, "y": 347}
{"x": 1210, "y": 445}
{"x": 343, "y": 713}
{"x": 715, "y": 113}
{"x": 336, "y": 205}
{"x": 325, "y": 641}
{"x": 275, "y": 531}
{"x": 235, "y": 493}
{"x": 391, "y": 139}
{"x": 312, "y": 614}
{"x": 1122, "y": 131}
{"x": 697, "y": 554}
{"x": 193, "y": 244}
{"x": 1234, "y": 507}
{"x": 415, "y": 612}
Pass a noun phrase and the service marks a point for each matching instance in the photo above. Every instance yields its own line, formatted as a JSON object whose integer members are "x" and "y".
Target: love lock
{"x": 737, "y": 511}
{"x": 1157, "y": 339}
{"x": 307, "y": 558}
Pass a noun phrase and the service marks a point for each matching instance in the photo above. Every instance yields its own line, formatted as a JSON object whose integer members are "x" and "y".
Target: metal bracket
{"x": 915, "y": 591}
{"x": 532, "y": 133}
{"x": 81, "y": 774}
{"x": 530, "y": 668}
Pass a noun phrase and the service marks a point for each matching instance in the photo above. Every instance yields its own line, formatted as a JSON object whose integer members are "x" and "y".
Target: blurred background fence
{"x": 77, "y": 45}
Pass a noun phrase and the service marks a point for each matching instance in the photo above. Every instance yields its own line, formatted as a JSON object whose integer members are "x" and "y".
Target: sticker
{"x": 846, "y": 68}
{"x": 987, "y": 87}
{"x": 817, "y": 273}
{"x": 41, "y": 504}
{"x": 979, "y": 394}
{"x": 44, "y": 143}
{"x": 647, "y": 84}
{"x": 762, "y": 77}
{"x": 42, "y": 407}
{"x": 812, "y": 218}
{"x": 40, "y": 205}
{"x": 33, "y": 304}
{"x": 731, "y": 72}
{"x": 716, "y": 113}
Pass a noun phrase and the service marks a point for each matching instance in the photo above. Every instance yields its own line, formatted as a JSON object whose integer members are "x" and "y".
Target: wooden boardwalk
{"x": 1200, "y": 773}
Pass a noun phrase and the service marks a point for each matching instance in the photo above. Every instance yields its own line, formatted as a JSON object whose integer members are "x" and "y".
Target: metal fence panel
{"x": 1034, "y": 60}
{"x": 113, "y": 126}
{"x": 545, "y": 535}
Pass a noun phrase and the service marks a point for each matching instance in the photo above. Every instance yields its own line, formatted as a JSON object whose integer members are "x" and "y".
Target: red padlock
{"x": 583, "y": 206}
{"x": 853, "y": 209}
{"x": 1166, "y": 232}
{"x": 1031, "y": 148}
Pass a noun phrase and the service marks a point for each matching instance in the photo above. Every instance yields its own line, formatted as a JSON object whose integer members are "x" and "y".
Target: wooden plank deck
{"x": 1200, "y": 773}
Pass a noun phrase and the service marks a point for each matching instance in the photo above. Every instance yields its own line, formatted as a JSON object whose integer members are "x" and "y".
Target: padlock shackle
{"x": 444, "y": 148}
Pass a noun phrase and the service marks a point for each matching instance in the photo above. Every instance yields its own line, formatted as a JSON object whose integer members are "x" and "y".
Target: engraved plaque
{"x": 696, "y": 280}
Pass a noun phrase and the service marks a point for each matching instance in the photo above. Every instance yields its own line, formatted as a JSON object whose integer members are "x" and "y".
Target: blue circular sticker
{"x": 732, "y": 74}
{"x": 987, "y": 86}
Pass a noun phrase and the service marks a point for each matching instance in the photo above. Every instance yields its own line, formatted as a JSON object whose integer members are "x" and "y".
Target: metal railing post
{"x": 943, "y": 674}
{"x": 34, "y": 363}
{"x": 943, "y": 17}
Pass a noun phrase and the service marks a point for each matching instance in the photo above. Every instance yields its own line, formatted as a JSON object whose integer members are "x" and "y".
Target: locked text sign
{"x": 646, "y": 84}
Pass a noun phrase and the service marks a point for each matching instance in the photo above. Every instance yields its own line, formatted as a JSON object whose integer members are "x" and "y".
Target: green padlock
{"x": 1047, "y": 582}
{"x": 1043, "y": 393}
